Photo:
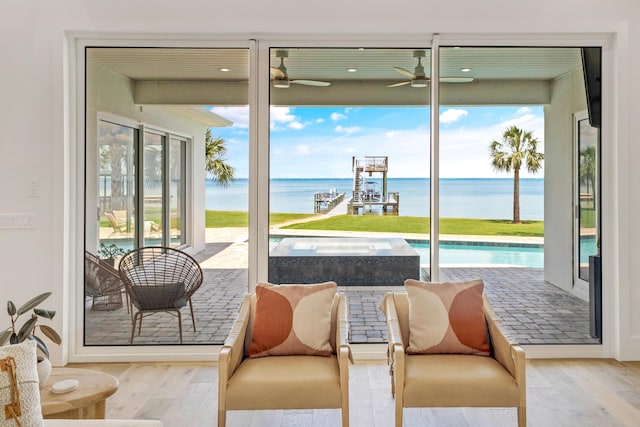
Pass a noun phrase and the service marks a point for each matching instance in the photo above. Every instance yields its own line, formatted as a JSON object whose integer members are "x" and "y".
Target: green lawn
{"x": 216, "y": 219}
{"x": 399, "y": 224}
{"x": 587, "y": 218}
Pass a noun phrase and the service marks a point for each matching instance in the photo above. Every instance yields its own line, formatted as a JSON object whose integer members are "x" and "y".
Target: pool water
{"x": 472, "y": 254}
{"x": 466, "y": 253}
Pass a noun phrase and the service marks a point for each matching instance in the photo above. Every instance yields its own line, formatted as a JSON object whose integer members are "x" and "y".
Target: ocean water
{"x": 490, "y": 198}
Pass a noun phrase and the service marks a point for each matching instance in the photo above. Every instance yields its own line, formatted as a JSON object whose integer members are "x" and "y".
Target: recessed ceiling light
{"x": 465, "y": 70}
{"x": 352, "y": 70}
{"x": 224, "y": 69}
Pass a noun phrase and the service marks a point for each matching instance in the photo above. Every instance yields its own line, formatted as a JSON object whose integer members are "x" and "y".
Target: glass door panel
{"x": 116, "y": 190}
{"x": 349, "y": 173}
{"x": 153, "y": 189}
{"x": 177, "y": 185}
{"x": 587, "y": 196}
{"x": 150, "y": 180}
{"x": 505, "y": 153}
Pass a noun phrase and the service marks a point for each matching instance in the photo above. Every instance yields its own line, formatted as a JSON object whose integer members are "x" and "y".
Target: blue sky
{"x": 312, "y": 142}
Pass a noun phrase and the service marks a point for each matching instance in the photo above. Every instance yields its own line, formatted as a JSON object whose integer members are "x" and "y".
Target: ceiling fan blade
{"x": 277, "y": 73}
{"x": 398, "y": 84}
{"x": 405, "y": 72}
{"x": 310, "y": 82}
{"x": 456, "y": 79}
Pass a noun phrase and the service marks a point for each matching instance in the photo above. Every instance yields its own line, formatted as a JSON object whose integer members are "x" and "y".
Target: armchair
{"x": 453, "y": 380}
{"x": 284, "y": 382}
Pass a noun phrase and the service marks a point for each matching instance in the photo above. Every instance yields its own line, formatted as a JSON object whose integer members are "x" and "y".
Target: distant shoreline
{"x": 490, "y": 198}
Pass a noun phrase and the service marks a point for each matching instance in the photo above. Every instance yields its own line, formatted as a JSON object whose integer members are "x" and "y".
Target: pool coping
{"x": 418, "y": 238}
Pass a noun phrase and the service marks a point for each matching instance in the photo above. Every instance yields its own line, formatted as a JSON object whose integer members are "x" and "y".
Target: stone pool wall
{"x": 347, "y": 261}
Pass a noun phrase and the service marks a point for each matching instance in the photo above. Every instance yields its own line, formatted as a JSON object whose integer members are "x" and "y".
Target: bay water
{"x": 488, "y": 198}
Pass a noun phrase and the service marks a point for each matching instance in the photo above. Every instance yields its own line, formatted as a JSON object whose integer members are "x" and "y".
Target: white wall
{"x": 37, "y": 110}
{"x": 110, "y": 92}
{"x": 568, "y": 97}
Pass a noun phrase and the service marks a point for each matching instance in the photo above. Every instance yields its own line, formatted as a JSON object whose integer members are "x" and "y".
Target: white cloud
{"x": 523, "y": 110}
{"x": 238, "y": 115}
{"x": 452, "y": 115}
{"x": 525, "y": 122}
{"x": 347, "y": 129}
{"x": 464, "y": 152}
{"x": 295, "y": 125}
{"x": 319, "y": 120}
{"x": 281, "y": 114}
{"x": 337, "y": 116}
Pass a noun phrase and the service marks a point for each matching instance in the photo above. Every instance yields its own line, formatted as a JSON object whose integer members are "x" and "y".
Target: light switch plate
{"x": 17, "y": 220}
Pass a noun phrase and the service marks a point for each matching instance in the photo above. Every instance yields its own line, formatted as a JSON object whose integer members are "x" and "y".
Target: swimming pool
{"x": 474, "y": 253}
{"x": 465, "y": 253}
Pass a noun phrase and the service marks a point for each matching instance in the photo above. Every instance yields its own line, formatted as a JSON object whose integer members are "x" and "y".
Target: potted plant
{"x": 16, "y": 334}
{"x": 109, "y": 253}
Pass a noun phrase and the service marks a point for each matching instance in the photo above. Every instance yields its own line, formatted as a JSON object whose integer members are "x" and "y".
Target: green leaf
{"x": 41, "y": 345}
{"x": 51, "y": 334}
{"x": 32, "y": 303}
{"x": 11, "y": 308}
{"x": 27, "y": 329}
{"x": 5, "y": 336}
{"x": 47, "y": 314}
{"x": 14, "y": 338}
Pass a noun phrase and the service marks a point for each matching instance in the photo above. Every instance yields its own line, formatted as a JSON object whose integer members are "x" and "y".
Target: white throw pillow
{"x": 26, "y": 378}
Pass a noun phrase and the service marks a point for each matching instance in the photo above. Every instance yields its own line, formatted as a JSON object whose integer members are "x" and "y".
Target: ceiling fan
{"x": 419, "y": 79}
{"x": 281, "y": 78}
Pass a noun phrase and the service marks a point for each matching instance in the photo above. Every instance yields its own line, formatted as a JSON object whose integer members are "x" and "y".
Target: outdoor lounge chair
{"x": 160, "y": 279}
{"x": 117, "y": 220}
{"x": 103, "y": 284}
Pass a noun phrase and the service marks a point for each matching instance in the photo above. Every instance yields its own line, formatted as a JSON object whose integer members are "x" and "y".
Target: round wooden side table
{"x": 85, "y": 402}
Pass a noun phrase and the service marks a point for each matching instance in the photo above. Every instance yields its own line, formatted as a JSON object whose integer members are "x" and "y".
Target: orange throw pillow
{"x": 446, "y": 318}
{"x": 292, "y": 320}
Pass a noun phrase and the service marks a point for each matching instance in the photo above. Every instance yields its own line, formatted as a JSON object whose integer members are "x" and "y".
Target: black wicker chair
{"x": 102, "y": 284}
{"x": 160, "y": 279}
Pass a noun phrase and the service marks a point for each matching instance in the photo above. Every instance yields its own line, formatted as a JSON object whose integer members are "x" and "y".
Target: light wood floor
{"x": 571, "y": 393}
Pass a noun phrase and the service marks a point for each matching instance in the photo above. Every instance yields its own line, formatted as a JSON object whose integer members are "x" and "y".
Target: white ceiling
{"x": 332, "y": 64}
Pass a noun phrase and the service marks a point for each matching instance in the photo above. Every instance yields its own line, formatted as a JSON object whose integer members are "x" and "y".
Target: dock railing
{"x": 324, "y": 202}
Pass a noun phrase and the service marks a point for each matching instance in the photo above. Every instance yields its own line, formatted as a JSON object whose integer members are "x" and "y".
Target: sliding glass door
{"x": 337, "y": 181}
{"x": 586, "y": 196}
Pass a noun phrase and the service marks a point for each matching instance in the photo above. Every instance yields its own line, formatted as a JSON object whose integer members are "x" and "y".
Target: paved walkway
{"x": 532, "y": 311}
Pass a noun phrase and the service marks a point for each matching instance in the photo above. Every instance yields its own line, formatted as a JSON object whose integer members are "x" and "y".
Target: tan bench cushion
{"x": 285, "y": 382}
{"x": 468, "y": 380}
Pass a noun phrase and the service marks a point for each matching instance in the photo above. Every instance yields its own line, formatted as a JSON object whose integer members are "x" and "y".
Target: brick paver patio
{"x": 532, "y": 311}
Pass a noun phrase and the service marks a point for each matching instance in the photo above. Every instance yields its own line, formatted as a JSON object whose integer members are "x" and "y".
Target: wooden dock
{"x": 366, "y": 196}
{"x": 325, "y": 202}
{"x": 390, "y": 205}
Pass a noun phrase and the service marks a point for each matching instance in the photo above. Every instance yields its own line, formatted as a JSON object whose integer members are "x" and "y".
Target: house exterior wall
{"x": 38, "y": 116}
{"x": 110, "y": 92}
{"x": 568, "y": 98}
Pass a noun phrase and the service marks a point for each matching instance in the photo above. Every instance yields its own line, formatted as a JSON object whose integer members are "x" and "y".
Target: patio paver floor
{"x": 532, "y": 311}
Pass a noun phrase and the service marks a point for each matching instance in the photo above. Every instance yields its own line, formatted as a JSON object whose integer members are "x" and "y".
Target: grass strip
{"x": 372, "y": 223}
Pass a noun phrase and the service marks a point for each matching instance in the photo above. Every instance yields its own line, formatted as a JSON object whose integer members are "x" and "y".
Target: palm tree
{"x": 517, "y": 147}
{"x": 588, "y": 170}
{"x": 216, "y": 164}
